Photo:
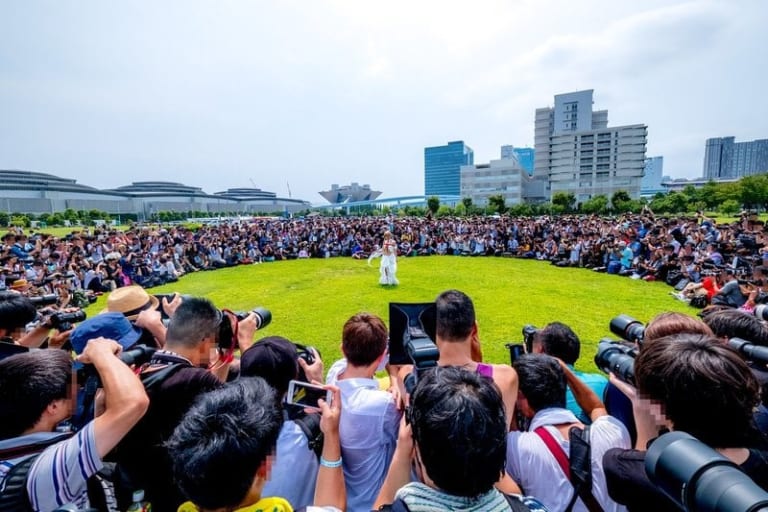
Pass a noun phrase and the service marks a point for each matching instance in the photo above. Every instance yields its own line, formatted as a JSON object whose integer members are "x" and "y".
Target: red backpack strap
{"x": 556, "y": 450}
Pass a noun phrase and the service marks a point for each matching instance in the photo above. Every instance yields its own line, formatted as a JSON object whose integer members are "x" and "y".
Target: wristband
{"x": 330, "y": 463}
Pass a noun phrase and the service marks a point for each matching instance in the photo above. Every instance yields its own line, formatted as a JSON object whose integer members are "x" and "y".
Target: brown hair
{"x": 669, "y": 323}
{"x": 364, "y": 339}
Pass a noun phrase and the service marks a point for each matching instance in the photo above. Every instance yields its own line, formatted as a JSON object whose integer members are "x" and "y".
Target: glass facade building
{"x": 726, "y": 158}
{"x": 442, "y": 168}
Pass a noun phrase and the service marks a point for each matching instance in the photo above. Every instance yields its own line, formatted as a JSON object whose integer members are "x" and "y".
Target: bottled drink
{"x": 139, "y": 505}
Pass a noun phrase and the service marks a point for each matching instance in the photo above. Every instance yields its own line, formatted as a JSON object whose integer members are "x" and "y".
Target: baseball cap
{"x": 108, "y": 325}
{"x": 274, "y": 359}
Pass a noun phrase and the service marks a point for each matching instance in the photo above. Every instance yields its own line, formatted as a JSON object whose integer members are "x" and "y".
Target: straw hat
{"x": 21, "y": 285}
{"x": 130, "y": 301}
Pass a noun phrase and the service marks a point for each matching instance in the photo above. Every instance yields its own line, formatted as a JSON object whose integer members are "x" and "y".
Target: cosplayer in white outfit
{"x": 388, "y": 266}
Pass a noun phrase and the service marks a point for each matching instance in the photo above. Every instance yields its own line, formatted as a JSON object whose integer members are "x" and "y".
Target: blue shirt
{"x": 596, "y": 383}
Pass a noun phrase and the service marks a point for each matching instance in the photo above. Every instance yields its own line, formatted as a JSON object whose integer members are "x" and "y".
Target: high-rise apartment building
{"x": 442, "y": 168}
{"x": 725, "y": 158}
{"x": 523, "y": 155}
{"x": 576, "y": 151}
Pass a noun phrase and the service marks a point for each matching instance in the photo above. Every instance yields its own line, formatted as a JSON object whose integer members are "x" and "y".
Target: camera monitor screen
{"x": 422, "y": 316}
{"x": 307, "y": 395}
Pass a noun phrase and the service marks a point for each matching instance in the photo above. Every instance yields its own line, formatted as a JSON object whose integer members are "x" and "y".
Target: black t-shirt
{"x": 142, "y": 462}
{"x": 629, "y": 485}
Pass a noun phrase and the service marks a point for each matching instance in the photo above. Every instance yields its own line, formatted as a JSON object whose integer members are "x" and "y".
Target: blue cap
{"x": 108, "y": 325}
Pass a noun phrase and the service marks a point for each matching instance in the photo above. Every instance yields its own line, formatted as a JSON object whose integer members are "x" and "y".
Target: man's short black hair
{"x": 460, "y": 429}
{"x": 223, "y": 440}
{"x": 455, "y": 315}
{"x": 542, "y": 381}
{"x": 16, "y": 311}
{"x": 196, "y": 318}
{"x": 29, "y": 383}
{"x": 559, "y": 340}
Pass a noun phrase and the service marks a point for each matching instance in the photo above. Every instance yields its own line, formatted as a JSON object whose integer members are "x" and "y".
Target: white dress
{"x": 388, "y": 265}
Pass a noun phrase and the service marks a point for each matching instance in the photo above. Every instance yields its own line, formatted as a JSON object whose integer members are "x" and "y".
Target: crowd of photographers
{"x": 159, "y": 403}
{"x": 173, "y": 397}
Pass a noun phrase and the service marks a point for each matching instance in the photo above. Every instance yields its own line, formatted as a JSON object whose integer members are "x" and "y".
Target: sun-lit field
{"x": 311, "y": 299}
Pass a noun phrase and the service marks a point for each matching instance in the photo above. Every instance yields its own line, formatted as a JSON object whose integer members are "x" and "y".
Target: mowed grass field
{"x": 311, "y": 299}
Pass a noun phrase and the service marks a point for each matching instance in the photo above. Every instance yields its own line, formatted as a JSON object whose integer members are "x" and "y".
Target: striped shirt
{"x": 59, "y": 475}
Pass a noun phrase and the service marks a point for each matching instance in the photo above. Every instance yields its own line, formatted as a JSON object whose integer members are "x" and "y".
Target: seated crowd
{"x": 200, "y": 430}
{"x": 679, "y": 250}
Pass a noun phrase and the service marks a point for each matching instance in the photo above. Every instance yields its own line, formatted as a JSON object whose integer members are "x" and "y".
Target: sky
{"x": 296, "y": 95}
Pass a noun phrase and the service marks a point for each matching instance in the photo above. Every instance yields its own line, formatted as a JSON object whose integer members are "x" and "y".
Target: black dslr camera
{"x": 526, "y": 347}
{"x": 618, "y": 357}
{"x": 696, "y": 477}
{"x": 228, "y": 332}
{"x": 412, "y": 329}
{"x": 63, "y": 321}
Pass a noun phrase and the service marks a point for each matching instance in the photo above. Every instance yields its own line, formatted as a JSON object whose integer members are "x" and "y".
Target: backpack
{"x": 13, "y": 488}
{"x": 699, "y": 301}
{"x": 514, "y": 504}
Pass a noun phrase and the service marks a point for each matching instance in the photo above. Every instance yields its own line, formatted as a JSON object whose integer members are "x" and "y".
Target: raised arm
{"x": 585, "y": 397}
{"x": 126, "y": 400}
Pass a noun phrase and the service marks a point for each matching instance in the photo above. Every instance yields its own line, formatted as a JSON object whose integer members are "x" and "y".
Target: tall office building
{"x": 725, "y": 158}
{"x": 523, "y": 155}
{"x": 442, "y": 168}
{"x": 576, "y": 151}
{"x": 652, "y": 177}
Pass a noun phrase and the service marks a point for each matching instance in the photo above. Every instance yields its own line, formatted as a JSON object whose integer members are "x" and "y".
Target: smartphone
{"x": 307, "y": 395}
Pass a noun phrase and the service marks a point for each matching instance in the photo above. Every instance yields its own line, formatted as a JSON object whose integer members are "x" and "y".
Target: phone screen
{"x": 307, "y": 395}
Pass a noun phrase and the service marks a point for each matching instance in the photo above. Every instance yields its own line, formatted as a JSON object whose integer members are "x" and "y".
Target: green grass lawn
{"x": 311, "y": 299}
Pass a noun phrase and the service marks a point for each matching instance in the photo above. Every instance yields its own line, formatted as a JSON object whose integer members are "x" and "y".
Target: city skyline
{"x": 295, "y": 95}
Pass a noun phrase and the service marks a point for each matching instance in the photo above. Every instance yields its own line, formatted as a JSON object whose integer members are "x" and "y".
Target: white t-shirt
{"x": 532, "y": 465}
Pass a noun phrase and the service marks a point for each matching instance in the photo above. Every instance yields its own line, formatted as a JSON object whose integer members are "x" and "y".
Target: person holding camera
{"x": 16, "y": 312}
{"x": 277, "y": 361}
{"x": 453, "y": 440}
{"x": 35, "y": 396}
{"x": 696, "y": 384}
{"x": 222, "y": 452}
{"x": 175, "y": 377}
{"x": 370, "y": 416}
{"x": 558, "y": 340}
{"x": 542, "y": 459}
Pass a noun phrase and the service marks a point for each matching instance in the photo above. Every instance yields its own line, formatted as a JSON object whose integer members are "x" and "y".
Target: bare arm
{"x": 585, "y": 397}
{"x": 126, "y": 400}
{"x": 329, "y": 488}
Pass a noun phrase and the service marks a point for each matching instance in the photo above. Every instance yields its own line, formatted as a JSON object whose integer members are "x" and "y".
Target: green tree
{"x": 444, "y": 211}
{"x": 521, "y": 210}
{"x": 620, "y": 201}
{"x": 729, "y": 207}
{"x": 4, "y": 218}
{"x": 497, "y": 204}
{"x": 564, "y": 201}
{"x": 754, "y": 191}
{"x": 467, "y": 202}
{"x": 433, "y": 204}
{"x": 596, "y": 205}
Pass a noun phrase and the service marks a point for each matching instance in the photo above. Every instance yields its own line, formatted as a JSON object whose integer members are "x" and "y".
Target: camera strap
{"x": 557, "y": 451}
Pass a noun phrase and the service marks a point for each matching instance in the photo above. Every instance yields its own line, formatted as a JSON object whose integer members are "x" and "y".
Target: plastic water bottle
{"x": 139, "y": 505}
